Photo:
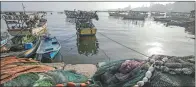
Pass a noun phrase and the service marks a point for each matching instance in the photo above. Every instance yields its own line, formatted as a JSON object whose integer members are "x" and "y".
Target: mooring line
{"x": 123, "y": 45}
{"x": 69, "y": 38}
{"x": 105, "y": 54}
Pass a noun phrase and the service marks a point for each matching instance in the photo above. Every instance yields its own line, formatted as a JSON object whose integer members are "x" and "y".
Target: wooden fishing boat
{"x": 48, "y": 48}
{"x": 18, "y": 46}
{"x": 22, "y": 23}
{"x": 85, "y": 27}
{"x": 81, "y": 14}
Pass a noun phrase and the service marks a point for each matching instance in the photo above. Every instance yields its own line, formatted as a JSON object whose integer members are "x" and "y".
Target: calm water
{"x": 148, "y": 37}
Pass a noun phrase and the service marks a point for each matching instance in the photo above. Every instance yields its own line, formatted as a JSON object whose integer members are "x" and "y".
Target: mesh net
{"x": 50, "y": 78}
{"x": 106, "y": 74}
{"x": 160, "y": 78}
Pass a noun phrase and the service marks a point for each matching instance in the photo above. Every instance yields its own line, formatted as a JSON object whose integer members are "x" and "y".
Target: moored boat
{"x": 49, "y": 47}
{"x": 85, "y": 27}
{"x": 23, "y": 46}
{"x": 22, "y": 23}
{"x": 136, "y": 15}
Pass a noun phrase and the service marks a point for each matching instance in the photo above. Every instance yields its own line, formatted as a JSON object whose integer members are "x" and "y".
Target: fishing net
{"x": 163, "y": 78}
{"x": 50, "y": 78}
{"x": 11, "y": 67}
{"x": 160, "y": 77}
{"x": 106, "y": 74}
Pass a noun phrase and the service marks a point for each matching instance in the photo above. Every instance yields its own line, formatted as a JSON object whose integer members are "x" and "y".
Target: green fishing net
{"x": 23, "y": 80}
{"x": 50, "y": 78}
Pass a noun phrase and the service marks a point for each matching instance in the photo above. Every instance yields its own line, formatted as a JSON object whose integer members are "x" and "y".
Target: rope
{"x": 124, "y": 45}
{"x": 105, "y": 54}
{"x": 69, "y": 38}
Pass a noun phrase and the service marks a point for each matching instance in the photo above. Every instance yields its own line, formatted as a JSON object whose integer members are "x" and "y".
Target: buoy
{"x": 148, "y": 74}
{"x": 83, "y": 85}
{"x": 151, "y": 69}
{"x": 71, "y": 84}
{"x": 140, "y": 83}
{"x": 145, "y": 79}
{"x": 59, "y": 85}
{"x": 164, "y": 59}
{"x": 152, "y": 61}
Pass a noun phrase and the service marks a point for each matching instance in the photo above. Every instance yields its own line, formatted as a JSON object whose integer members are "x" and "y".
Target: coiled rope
{"x": 123, "y": 45}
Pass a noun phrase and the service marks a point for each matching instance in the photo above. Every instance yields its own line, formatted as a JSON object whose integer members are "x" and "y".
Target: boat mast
{"x": 23, "y": 13}
{"x": 23, "y": 8}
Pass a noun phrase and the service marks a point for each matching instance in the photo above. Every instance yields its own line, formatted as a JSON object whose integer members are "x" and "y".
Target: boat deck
{"x": 48, "y": 46}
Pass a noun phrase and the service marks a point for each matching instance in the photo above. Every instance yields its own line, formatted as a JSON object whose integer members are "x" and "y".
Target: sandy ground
{"x": 84, "y": 69}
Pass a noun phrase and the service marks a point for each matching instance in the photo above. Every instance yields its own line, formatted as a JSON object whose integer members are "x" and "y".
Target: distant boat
{"x": 48, "y": 48}
{"x": 136, "y": 15}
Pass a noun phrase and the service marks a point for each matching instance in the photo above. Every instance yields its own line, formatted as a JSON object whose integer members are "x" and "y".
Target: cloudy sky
{"x": 60, "y": 6}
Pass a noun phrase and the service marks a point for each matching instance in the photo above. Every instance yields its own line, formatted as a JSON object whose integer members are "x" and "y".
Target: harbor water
{"x": 147, "y": 37}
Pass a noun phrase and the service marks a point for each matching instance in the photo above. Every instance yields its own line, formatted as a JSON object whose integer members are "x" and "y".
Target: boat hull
{"x": 3, "y": 42}
{"x": 87, "y": 31}
{"x": 48, "y": 49}
{"x": 134, "y": 17}
{"x": 34, "y": 31}
{"x": 30, "y": 52}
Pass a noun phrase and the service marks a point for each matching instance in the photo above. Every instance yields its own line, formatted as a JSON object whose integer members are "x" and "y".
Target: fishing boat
{"x": 70, "y": 14}
{"x": 22, "y": 23}
{"x": 136, "y": 15}
{"x": 157, "y": 14}
{"x": 85, "y": 27}
{"x": 23, "y": 46}
{"x": 81, "y": 14}
{"x": 118, "y": 14}
{"x": 48, "y": 48}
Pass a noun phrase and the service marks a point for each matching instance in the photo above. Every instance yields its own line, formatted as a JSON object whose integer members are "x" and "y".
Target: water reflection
{"x": 139, "y": 23}
{"x": 87, "y": 45}
{"x": 115, "y": 17}
{"x": 155, "y": 48}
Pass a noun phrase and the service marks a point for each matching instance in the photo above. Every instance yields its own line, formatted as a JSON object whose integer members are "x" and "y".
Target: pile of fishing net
{"x": 50, "y": 78}
{"x": 108, "y": 72}
{"x": 28, "y": 72}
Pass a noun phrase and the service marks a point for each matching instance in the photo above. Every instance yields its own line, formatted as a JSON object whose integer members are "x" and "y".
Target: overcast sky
{"x": 60, "y": 6}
